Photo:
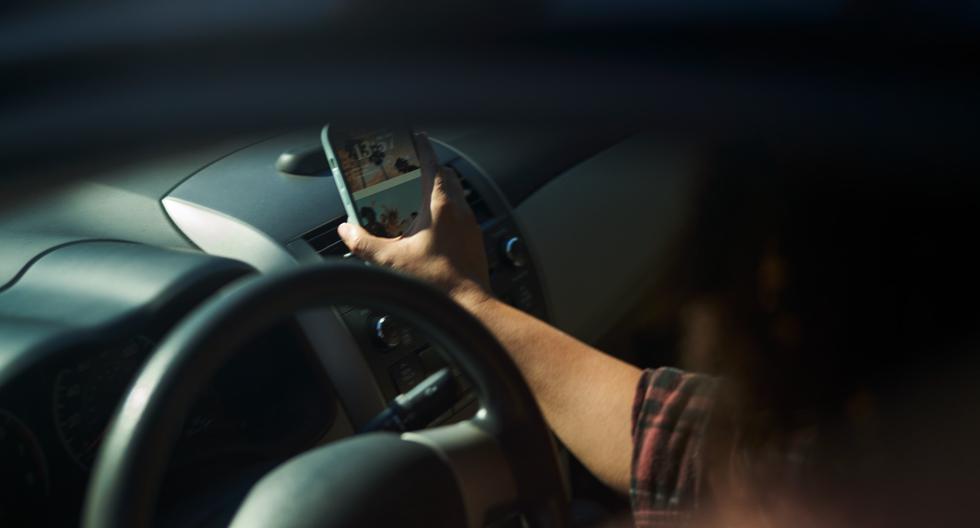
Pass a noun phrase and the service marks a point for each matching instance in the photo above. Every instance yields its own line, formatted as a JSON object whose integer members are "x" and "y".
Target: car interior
{"x": 183, "y": 333}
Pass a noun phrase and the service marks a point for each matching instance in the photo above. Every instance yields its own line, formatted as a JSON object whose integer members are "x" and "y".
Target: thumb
{"x": 359, "y": 241}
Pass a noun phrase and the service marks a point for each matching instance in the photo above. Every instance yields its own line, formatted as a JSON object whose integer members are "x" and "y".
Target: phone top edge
{"x": 338, "y": 177}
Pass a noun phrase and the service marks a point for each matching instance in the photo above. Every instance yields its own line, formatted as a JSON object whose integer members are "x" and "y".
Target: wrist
{"x": 470, "y": 295}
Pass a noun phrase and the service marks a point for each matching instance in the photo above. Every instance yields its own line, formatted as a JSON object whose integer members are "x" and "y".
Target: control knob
{"x": 386, "y": 332}
{"x": 515, "y": 251}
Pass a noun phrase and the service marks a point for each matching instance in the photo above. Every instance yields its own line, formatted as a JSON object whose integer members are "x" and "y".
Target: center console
{"x": 248, "y": 207}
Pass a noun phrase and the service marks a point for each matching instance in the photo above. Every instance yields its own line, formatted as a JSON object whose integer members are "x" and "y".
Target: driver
{"x": 677, "y": 441}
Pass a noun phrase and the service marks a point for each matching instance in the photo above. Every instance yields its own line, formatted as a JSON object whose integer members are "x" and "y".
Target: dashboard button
{"x": 386, "y": 332}
{"x": 515, "y": 251}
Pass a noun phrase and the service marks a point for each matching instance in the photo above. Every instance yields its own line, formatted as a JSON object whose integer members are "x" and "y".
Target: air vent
{"x": 480, "y": 208}
{"x": 325, "y": 240}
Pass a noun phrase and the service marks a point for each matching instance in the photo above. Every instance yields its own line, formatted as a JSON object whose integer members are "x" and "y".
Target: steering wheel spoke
{"x": 483, "y": 474}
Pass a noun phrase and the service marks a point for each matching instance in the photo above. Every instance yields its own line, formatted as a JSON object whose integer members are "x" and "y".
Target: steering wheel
{"x": 501, "y": 464}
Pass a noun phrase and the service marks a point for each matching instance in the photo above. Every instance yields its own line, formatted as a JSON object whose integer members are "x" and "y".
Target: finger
{"x": 448, "y": 196}
{"x": 360, "y": 242}
{"x": 448, "y": 181}
{"x": 444, "y": 188}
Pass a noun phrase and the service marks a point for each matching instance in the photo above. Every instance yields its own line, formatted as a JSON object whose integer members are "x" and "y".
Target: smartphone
{"x": 378, "y": 176}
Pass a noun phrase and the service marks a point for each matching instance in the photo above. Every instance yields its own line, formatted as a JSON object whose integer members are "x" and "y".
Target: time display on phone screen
{"x": 381, "y": 172}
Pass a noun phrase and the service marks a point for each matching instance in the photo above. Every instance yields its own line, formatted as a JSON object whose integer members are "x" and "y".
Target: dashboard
{"x": 98, "y": 273}
{"x": 234, "y": 209}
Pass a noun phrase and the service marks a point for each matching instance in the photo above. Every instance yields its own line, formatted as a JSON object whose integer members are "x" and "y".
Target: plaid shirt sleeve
{"x": 670, "y": 415}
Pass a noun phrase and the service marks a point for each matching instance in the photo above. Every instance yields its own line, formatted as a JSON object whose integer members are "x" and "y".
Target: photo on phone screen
{"x": 378, "y": 175}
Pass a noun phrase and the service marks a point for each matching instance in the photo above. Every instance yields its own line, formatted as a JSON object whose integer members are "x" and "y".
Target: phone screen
{"x": 381, "y": 172}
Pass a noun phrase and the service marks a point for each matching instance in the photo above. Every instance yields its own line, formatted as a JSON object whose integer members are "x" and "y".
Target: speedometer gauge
{"x": 87, "y": 393}
{"x": 23, "y": 473}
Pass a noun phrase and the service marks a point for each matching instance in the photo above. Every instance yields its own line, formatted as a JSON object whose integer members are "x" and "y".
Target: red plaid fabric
{"x": 670, "y": 415}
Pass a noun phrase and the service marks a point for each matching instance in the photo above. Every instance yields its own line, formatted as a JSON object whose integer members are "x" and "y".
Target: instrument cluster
{"x": 263, "y": 407}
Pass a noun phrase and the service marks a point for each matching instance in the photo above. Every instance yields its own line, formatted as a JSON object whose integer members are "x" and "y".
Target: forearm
{"x": 586, "y": 396}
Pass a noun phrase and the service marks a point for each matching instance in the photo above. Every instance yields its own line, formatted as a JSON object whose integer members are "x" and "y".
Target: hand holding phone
{"x": 446, "y": 247}
{"x": 378, "y": 175}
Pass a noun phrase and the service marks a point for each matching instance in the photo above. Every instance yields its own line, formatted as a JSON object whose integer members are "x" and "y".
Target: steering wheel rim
{"x": 132, "y": 460}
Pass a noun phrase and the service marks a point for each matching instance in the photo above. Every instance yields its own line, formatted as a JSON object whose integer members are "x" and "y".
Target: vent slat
{"x": 325, "y": 236}
{"x": 334, "y": 250}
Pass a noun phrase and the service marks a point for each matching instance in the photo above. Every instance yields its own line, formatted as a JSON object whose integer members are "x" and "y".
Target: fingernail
{"x": 342, "y": 229}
